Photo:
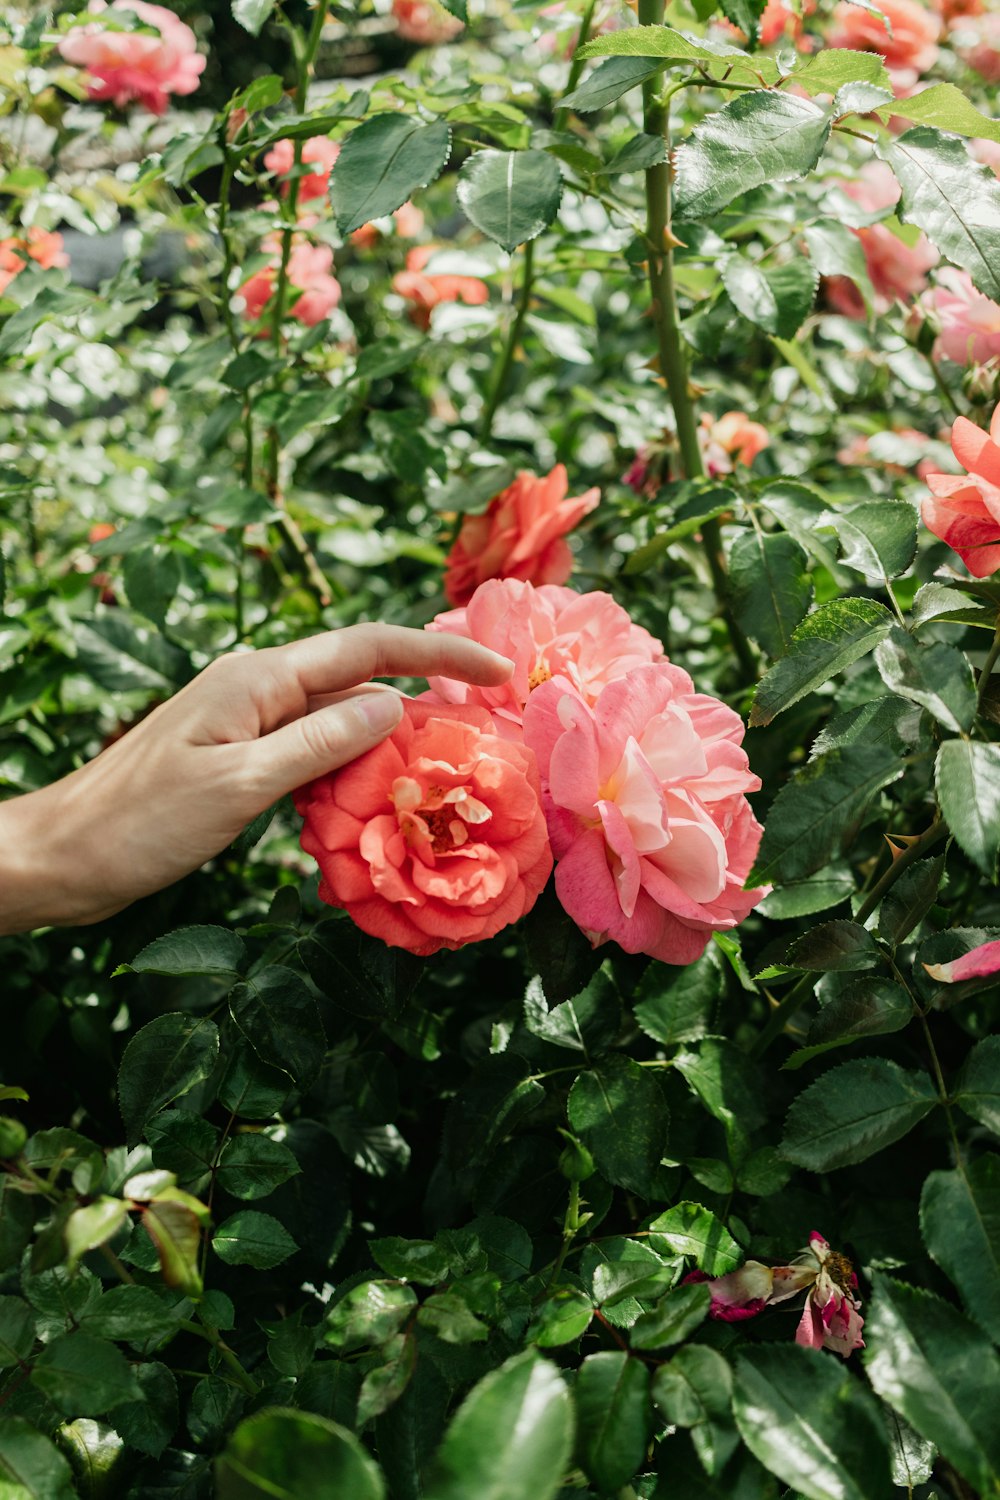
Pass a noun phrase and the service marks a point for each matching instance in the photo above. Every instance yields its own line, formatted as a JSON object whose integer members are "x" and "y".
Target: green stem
{"x": 571, "y": 1227}
{"x": 942, "y": 1092}
{"x": 800, "y": 992}
{"x": 511, "y": 344}
{"x": 577, "y": 66}
{"x": 988, "y": 665}
{"x": 218, "y": 1343}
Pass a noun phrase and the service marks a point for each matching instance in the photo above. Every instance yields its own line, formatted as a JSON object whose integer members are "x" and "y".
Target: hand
{"x": 185, "y": 781}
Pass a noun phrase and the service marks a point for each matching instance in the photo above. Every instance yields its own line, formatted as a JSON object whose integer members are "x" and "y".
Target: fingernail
{"x": 380, "y": 711}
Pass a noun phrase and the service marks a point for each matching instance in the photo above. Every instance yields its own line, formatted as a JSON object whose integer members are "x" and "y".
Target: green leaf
{"x": 853, "y": 1111}
{"x": 283, "y": 1455}
{"x": 252, "y": 1165}
{"x": 770, "y": 588}
{"x": 123, "y": 653}
{"x": 816, "y": 813}
{"x": 907, "y": 903}
{"x": 84, "y": 1376}
{"x": 510, "y": 196}
{"x": 383, "y": 1386}
{"x": 946, "y": 106}
{"x": 695, "y": 1391}
{"x": 191, "y": 950}
{"x": 163, "y": 1061}
{"x": 936, "y": 676}
{"x": 614, "y": 1282}
{"x": 31, "y": 1467}
{"x": 777, "y": 299}
{"x": 251, "y": 14}
{"x": 620, "y": 1114}
{"x": 152, "y": 576}
{"x": 175, "y": 1230}
{"x": 613, "y": 1417}
{"x": 967, "y": 781}
{"x": 609, "y": 82}
{"x": 693, "y": 1230}
{"x": 588, "y": 1023}
{"x": 801, "y": 898}
{"x": 941, "y": 1373}
{"x": 93, "y": 1225}
{"x": 758, "y": 137}
{"x": 17, "y": 1331}
{"x": 371, "y": 1313}
{"x": 562, "y": 1318}
{"x": 361, "y": 974}
{"x": 382, "y": 163}
{"x": 280, "y": 1019}
{"x": 977, "y": 1087}
{"x": 836, "y": 250}
{"x": 472, "y": 492}
{"x": 863, "y": 1007}
{"x": 810, "y": 1422}
{"x": 510, "y": 1439}
{"x": 878, "y": 538}
{"x": 149, "y": 1424}
{"x": 449, "y": 1317}
{"x": 677, "y": 1004}
{"x": 960, "y": 1223}
{"x": 954, "y": 200}
{"x": 833, "y": 945}
{"x": 652, "y": 41}
{"x": 728, "y": 1084}
{"x": 675, "y": 1316}
{"x": 250, "y": 1238}
{"x": 828, "y": 641}
{"x": 829, "y": 69}
{"x": 136, "y": 1314}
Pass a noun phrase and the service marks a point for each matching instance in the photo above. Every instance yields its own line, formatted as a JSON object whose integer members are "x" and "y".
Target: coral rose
{"x": 407, "y": 221}
{"x": 316, "y": 292}
{"x": 425, "y": 289}
{"x": 436, "y": 837}
{"x": 964, "y": 510}
{"x": 425, "y": 22}
{"x": 908, "y": 43}
{"x": 519, "y": 535}
{"x": 584, "y": 641}
{"x": 969, "y": 321}
{"x": 133, "y": 65}
{"x": 730, "y": 440}
{"x": 43, "y": 246}
{"x": 895, "y": 269}
{"x": 977, "y": 42}
{"x": 319, "y": 153}
{"x": 647, "y": 813}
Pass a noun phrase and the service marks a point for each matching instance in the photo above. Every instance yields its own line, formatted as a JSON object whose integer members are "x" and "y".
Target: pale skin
{"x": 180, "y": 786}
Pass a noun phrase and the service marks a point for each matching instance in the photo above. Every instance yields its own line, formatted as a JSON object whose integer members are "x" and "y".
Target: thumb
{"x": 324, "y": 740}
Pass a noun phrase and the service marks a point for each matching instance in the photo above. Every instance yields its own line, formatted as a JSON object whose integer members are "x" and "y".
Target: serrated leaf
{"x": 676, "y": 1315}
{"x": 828, "y": 641}
{"x": 854, "y": 1111}
{"x": 31, "y": 1467}
{"x": 614, "y": 1417}
{"x": 960, "y": 1224}
{"x": 609, "y": 82}
{"x": 967, "y": 782}
{"x": 879, "y": 538}
{"x": 770, "y": 588}
{"x": 777, "y": 299}
{"x": 280, "y": 1019}
{"x": 250, "y": 1238}
{"x": 838, "y": 945}
{"x": 832, "y": 68}
{"x": 251, "y": 14}
{"x": 84, "y": 1376}
{"x": 284, "y": 1454}
{"x": 677, "y": 1004}
{"x": 163, "y": 1061}
{"x": 562, "y": 1318}
{"x": 936, "y": 676}
{"x": 620, "y": 1114}
{"x": 191, "y": 950}
{"x": 693, "y": 1230}
{"x": 977, "y": 1087}
{"x": 510, "y": 196}
{"x": 864, "y": 1007}
{"x": 907, "y": 903}
{"x": 760, "y": 136}
{"x": 382, "y": 163}
{"x": 814, "y": 893}
{"x": 947, "y": 107}
{"x": 252, "y": 1165}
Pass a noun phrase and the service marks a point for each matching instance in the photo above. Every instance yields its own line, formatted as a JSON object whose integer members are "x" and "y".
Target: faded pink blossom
{"x": 978, "y": 963}
{"x": 896, "y": 270}
{"x": 977, "y": 42}
{"x": 970, "y": 322}
{"x": 315, "y": 292}
{"x": 730, "y": 440}
{"x": 425, "y": 22}
{"x": 647, "y": 812}
{"x": 964, "y": 510}
{"x": 127, "y": 66}
{"x": 521, "y": 534}
{"x": 911, "y": 46}
{"x": 863, "y": 452}
{"x": 319, "y": 153}
{"x": 583, "y": 641}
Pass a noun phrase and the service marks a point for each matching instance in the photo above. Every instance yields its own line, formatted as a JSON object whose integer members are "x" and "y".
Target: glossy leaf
{"x": 967, "y": 780}
{"x": 855, "y": 1110}
{"x": 382, "y": 163}
{"x": 690, "y": 1229}
{"x": 677, "y": 1004}
{"x": 285, "y": 1454}
{"x": 510, "y": 196}
{"x": 609, "y": 82}
{"x": 977, "y": 1087}
{"x": 280, "y": 1019}
{"x": 84, "y": 1376}
{"x": 828, "y": 641}
{"x": 758, "y": 137}
{"x": 192, "y": 950}
{"x": 676, "y": 1315}
{"x": 613, "y": 1414}
{"x": 936, "y": 676}
{"x": 862, "y": 1008}
{"x": 837, "y": 946}
{"x": 769, "y": 587}
{"x": 164, "y": 1061}
{"x": 31, "y": 1467}
{"x": 960, "y": 1223}
{"x": 250, "y": 1238}
{"x": 620, "y": 1114}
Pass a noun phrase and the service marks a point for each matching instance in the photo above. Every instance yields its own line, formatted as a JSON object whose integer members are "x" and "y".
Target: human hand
{"x": 180, "y": 786}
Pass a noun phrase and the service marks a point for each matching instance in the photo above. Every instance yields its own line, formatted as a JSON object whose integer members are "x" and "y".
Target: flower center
{"x": 436, "y": 817}
{"x": 840, "y": 1270}
{"x": 539, "y": 673}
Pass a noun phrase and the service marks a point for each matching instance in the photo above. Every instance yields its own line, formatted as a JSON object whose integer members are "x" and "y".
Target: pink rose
{"x": 519, "y": 535}
{"x": 43, "y": 246}
{"x": 869, "y": 452}
{"x": 435, "y": 838}
{"x": 315, "y": 291}
{"x": 584, "y": 641}
{"x": 644, "y": 792}
{"x": 970, "y": 322}
{"x": 133, "y": 65}
{"x": 987, "y": 152}
{"x": 408, "y": 222}
{"x": 911, "y": 45}
{"x": 319, "y": 152}
{"x": 425, "y": 22}
{"x": 977, "y": 43}
{"x": 896, "y": 270}
{"x": 425, "y": 289}
{"x": 964, "y": 511}
{"x": 978, "y": 963}
{"x": 730, "y": 440}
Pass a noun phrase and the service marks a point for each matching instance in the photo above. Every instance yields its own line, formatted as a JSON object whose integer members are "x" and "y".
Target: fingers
{"x": 343, "y": 658}
{"x": 319, "y": 742}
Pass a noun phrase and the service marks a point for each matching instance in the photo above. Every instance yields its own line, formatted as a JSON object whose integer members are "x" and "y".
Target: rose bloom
{"x": 911, "y": 47}
{"x": 978, "y": 963}
{"x": 964, "y": 509}
{"x": 126, "y": 65}
{"x": 43, "y": 246}
{"x": 309, "y": 275}
{"x": 407, "y": 220}
{"x": 425, "y": 22}
{"x": 949, "y": 10}
{"x": 896, "y": 270}
{"x": 987, "y": 152}
{"x": 831, "y": 1318}
{"x": 584, "y": 641}
{"x": 977, "y": 43}
{"x": 647, "y": 813}
{"x": 519, "y": 535}
{"x": 319, "y": 152}
{"x": 435, "y": 838}
{"x": 863, "y": 452}
{"x": 425, "y": 289}
{"x": 779, "y": 22}
{"x": 730, "y": 440}
{"x": 970, "y": 322}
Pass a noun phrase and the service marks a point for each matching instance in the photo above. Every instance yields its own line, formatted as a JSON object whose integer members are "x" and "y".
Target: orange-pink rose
{"x": 964, "y": 509}
{"x": 583, "y": 641}
{"x": 127, "y": 66}
{"x": 969, "y": 321}
{"x": 521, "y": 534}
{"x": 315, "y": 292}
{"x": 730, "y": 440}
{"x": 977, "y": 42}
{"x": 425, "y": 289}
{"x": 408, "y": 222}
{"x": 896, "y": 269}
{"x": 435, "y": 838}
{"x": 318, "y": 153}
{"x": 425, "y": 22}
{"x": 909, "y": 48}
{"x": 43, "y": 246}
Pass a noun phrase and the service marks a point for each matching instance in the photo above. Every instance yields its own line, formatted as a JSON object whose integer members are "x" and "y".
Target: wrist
{"x": 41, "y": 879}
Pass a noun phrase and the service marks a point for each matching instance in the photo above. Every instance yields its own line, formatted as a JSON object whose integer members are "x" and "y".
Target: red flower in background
{"x": 425, "y": 289}
{"x": 134, "y": 66}
{"x": 964, "y": 509}
{"x": 43, "y": 246}
{"x": 319, "y": 153}
{"x": 425, "y": 22}
{"x": 910, "y": 47}
{"x": 315, "y": 291}
{"x": 896, "y": 269}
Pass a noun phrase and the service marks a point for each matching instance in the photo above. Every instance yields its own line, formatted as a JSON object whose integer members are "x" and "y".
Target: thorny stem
{"x": 511, "y": 344}
{"x": 562, "y": 113}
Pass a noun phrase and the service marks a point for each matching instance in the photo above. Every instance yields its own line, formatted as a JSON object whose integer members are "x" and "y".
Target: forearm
{"x": 42, "y": 878}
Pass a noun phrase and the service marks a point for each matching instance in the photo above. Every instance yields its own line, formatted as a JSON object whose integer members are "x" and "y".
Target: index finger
{"x": 344, "y": 658}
